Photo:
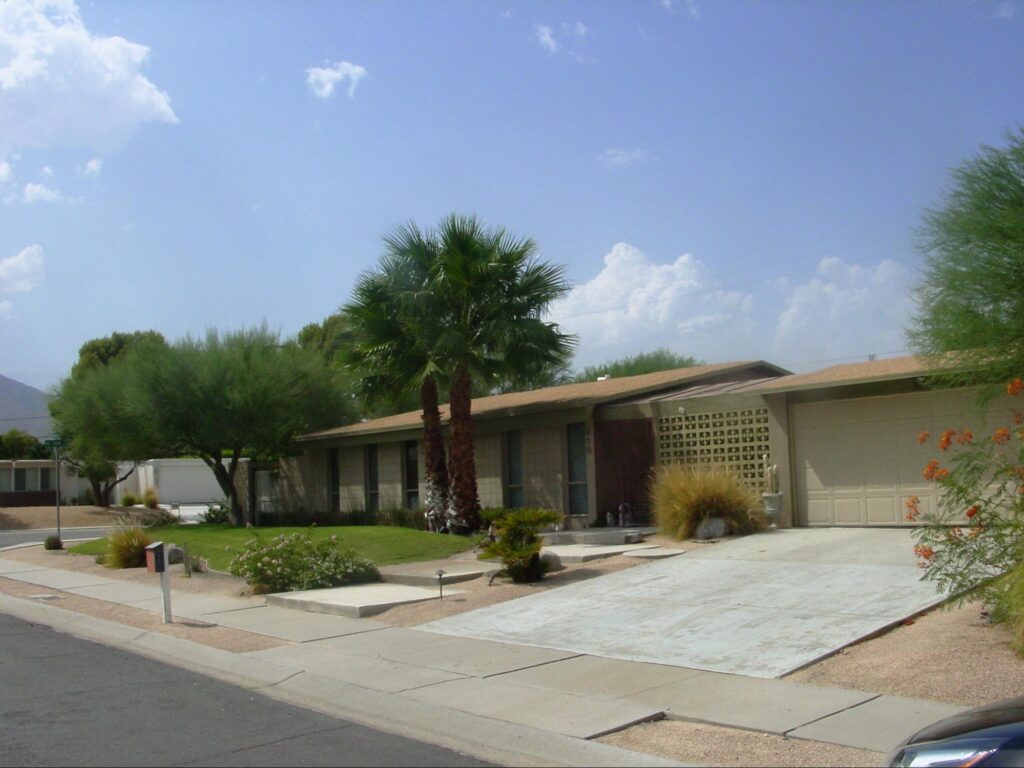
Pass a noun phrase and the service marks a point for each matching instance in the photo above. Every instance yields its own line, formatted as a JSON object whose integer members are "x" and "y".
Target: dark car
{"x": 992, "y": 735}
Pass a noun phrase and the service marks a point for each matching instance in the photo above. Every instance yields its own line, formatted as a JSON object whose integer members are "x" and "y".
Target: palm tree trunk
{"x": 463, "y": 463}
{"x": 433, "y": 447}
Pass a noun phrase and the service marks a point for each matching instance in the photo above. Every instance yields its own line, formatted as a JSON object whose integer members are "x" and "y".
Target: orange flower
{"x": 973, "y": 511}
{"x": 946, "y": 439}
{"x": 924, "y": 552}
{"x": 1001, "y": 436}
{"x": 913, "y": 511}
{"x": 1018, "y": 418}
{"x": 1015, "y": 387}
{"x": 931, "y": 470}
{"x": 965, "y": 437}
{"x": 923, "y": 438}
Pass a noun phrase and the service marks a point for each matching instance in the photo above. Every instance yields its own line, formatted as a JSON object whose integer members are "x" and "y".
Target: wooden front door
{"x": 624, "y": 459}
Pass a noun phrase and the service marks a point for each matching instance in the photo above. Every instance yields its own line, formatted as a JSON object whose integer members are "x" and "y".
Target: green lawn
{"x": 384, "y": 545}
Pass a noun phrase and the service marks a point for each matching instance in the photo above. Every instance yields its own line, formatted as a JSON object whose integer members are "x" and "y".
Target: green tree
{"x": 971, "y": 297}
{"x": 392, "y": 316}
{"x": 88, "y": 411}
{"x": 229, "y": 395}
{"x": 91, "y": 411}
{"x": 492, "y": 295}
{"x": 634, "y": 365}
{"x": 99, "y": 352}
{"x": 17, "y": 444}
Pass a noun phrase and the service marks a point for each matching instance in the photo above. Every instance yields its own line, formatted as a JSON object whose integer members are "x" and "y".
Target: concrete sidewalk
{"x": 511, "y": 703}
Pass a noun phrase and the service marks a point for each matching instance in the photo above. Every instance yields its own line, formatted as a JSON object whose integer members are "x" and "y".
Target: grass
{"x": 384, "y": 545}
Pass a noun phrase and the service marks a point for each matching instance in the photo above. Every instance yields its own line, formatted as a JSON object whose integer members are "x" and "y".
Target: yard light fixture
{"x": 440, "y": 584}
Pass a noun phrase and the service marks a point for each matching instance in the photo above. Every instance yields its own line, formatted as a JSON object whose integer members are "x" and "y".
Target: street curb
{"x": 485, "y": 738}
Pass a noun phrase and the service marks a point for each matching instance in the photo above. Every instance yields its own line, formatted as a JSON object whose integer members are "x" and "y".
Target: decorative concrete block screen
{"x": 735, "y": 439}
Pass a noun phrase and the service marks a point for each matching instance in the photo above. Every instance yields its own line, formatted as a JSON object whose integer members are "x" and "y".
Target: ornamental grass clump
{"x": 683, "y": 497}
{"x": 294, "y": 561}
{"x": 126, "y": 547}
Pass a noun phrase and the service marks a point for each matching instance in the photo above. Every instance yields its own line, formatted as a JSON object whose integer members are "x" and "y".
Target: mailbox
{"x": 156, "y": 561}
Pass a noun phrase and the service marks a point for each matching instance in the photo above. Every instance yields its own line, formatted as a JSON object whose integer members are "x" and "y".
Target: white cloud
{"x": 46, "y": 171}
{"x": 634, "y": 304}
{"x": 545, "y": 38}
{"x": 1005, "y": 10}
{"x": 321, "y": 80}
{"x": 39, "y": 193}
{"x": 6, "y": 172}
{"x": 62, "y": 85}
{"x": 22, "y": 272}
{"x": 691, "y": 7}
{"x": 622, "y": 158}
{"x": 844, "y": 310}
{"x": 93, "y": 168}
{"x": 578, "y": 30}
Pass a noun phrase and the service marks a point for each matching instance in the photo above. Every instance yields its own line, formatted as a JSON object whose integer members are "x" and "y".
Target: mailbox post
{"x": 156, "y": 562}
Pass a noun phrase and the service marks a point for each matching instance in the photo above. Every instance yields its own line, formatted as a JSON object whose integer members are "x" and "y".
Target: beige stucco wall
{"x": 489, "y": 472}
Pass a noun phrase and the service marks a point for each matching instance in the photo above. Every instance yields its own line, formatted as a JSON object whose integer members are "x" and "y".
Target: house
{"x": 33, "y": 483}
{"x": 844, "y": 439}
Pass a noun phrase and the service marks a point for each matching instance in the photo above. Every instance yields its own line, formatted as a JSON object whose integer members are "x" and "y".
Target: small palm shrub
{"x": 518, "y": 545}
{"x": 684, "y": 496}
{"x": 126, "y": 547}
{"x": 150, "y": 498}
{"x": 293, "y": 561}
{"x": 129, "y": 499}
{"x": 53, "y": 542}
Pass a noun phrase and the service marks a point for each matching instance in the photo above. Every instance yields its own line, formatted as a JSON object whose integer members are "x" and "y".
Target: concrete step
{"x": 599, "y": 536}
{"x": 355, "y": 602}
{"x": 424, "y": 574}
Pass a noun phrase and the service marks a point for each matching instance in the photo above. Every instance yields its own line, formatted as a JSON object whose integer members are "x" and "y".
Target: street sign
{"x": 54, "y": 442}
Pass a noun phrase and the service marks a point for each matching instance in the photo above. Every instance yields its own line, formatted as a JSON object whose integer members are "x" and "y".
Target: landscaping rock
{"x": 554, "y": 561}
{"x": 175, "y": 555}
{"x": 712, "y": 528}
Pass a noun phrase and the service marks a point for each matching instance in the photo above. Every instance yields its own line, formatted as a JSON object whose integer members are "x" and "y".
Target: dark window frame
{"x": 371, "y": 471}
{"x": 512, "y": 447}
{"x": 334, "y": 478}
{"x": 411, "y": 474}
{"x": 576, "y": 435}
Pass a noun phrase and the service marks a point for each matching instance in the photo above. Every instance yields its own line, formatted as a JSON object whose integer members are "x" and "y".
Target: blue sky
{"x": 726, "y": 179}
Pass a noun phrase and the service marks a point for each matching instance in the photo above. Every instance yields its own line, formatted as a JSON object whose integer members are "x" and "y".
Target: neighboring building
{"x": 33, "y": 483}
{"x": 844, "y": 440}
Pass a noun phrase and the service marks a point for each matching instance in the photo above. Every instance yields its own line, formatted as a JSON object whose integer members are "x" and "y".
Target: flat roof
{"x": 889, "y": 369}
{"x": 552, "y": 398}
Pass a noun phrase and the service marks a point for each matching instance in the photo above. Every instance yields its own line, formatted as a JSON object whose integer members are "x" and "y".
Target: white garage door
{"x": 856, "y": 462}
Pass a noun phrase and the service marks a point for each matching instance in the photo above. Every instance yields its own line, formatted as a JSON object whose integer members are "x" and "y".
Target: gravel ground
{"x": 716, "y": 746}
{"x": 950, "y": 655}
{"x": 33, "y": 518}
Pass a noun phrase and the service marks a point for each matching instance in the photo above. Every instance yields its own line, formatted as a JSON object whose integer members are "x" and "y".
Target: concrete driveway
{"x": 761, "y": 605}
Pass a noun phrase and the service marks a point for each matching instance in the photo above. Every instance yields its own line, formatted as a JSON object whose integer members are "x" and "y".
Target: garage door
{"x": 856, "y": 462}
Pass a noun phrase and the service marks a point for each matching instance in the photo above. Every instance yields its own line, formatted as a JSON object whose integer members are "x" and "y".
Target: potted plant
{"x": 772, "y": 496}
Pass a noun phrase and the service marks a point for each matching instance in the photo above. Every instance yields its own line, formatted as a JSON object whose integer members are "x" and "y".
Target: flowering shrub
{"x": 977, "y": 532}
{"x": 295, "y": 561}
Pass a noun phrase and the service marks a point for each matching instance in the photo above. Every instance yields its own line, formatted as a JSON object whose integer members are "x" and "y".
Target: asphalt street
{"x": 10, "y": 538}
{"x": 65, "y": 701}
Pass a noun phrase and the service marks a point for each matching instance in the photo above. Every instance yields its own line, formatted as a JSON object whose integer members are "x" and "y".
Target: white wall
{"x": 177, "y": 481}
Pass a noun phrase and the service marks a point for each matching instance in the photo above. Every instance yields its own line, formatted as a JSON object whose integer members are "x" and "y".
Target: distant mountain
{"x": 23, "y": 407}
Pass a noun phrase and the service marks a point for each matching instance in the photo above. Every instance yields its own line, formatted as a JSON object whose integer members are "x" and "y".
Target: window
{"x": 334, "y": 475}
{"x": 44, "y": 479}
{"x": 5, "y": 479}
{"x": 513, "y": 469}
{"x": 576, "y": 445}
{"x": 411, "y": 474}
{"x": 372, "y": 479}
{"x": 20, "y": 480}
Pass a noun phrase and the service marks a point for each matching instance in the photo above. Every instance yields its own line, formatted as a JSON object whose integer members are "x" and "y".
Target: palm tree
{"x": 490, "y": 295}
{"x": 390, "y": 316}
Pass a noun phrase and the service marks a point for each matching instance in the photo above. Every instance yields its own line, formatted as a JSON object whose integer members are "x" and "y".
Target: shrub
{"x": 518, "y": 545}
{"x": 160, "y": 516}
{"x": 216, "y": 514}
{"x": 150, "y": 498}
{"x": 972, "y": 544}
{"x": 292, "y": 562}
{"x": 126, "y": 547}
{"x": 99, "y": 558}
{"x": 53, "y": 542}
{"x": 129, "y": 499}
{"x": 683, "y": 496}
